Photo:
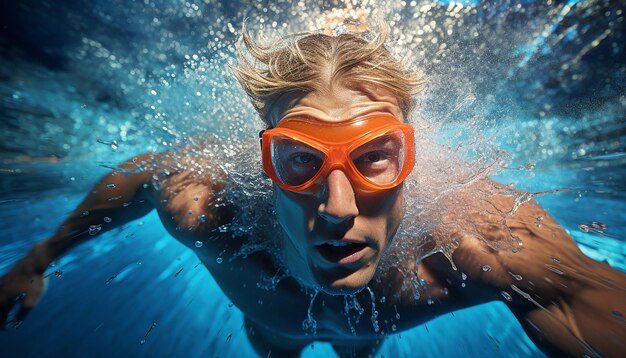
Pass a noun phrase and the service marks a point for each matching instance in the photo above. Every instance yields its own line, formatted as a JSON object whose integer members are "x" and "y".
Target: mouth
{"x": 342, "y": 252}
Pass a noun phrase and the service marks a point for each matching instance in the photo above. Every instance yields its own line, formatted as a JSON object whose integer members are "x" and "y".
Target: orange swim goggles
{"x": 376, "y": 152}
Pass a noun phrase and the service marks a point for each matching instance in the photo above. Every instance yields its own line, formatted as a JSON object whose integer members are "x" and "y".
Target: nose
{"x": 338, "y": 204}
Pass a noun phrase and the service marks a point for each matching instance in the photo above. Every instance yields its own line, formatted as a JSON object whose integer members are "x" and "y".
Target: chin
{"x": 344, "y": 283}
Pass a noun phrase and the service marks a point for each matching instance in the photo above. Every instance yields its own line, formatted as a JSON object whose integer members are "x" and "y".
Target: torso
{"x": 240, "y": 277}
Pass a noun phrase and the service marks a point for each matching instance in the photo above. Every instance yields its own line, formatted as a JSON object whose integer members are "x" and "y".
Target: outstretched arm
{"x": 568, "y": 303}
{"x": 121, "y": 196}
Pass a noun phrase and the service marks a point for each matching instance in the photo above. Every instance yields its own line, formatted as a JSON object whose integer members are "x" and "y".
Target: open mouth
{"x": 341, "y": 251}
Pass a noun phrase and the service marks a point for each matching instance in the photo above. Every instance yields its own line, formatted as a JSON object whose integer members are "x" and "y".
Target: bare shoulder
{"x": 566, "y": 301}
{"x": 544, "y": 259}
{"x": 186, "y": 191}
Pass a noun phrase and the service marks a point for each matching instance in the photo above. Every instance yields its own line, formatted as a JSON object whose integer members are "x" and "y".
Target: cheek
{"x": 383, "y": 210}
{"x": 295, "y": 213}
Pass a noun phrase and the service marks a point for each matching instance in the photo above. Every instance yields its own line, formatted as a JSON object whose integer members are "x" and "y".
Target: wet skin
{"x": 568, "y": 309}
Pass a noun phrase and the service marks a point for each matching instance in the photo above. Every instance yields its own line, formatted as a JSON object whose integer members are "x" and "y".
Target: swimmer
{"x": 338, "y": 149}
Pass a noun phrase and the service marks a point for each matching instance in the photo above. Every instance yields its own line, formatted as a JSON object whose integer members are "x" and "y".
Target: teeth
{"x": 338, "y": 243}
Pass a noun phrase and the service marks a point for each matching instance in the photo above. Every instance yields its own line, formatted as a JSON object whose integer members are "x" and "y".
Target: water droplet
{"x": 445, "y": 291}
{"x": 218, "y": 260}
{"x": 507, "y": 296}
{"x": 598, "y": 225}
{"x": 58, "y": 273}
{"x": 259, "y": 301}
{"x": 145, "y": 337}
{"x": 85, "y": 213}
{"x": 463, "y": 276}
{"x": 110, "y": 279}
{"x": 107, "y": 219}
{"x": 195, "y": 198}
{"x": 94, "y": 229}
{"x": 517, "y": 277}
{"x": 383, "y": 299}
{"x": 463, "y": 284}
{"x": 555, "y": 270}
{"x": 230, "y": 305}
{"x": 202, "y": 218}
{"x": 229, "y": 337}
{"x": 486, "y": 268}
{"x": 199, "y": 244}
{"x": 111, "y": 186}
{"x": 393, "y": 328}
{"x": 583, "y": 228}
{"x": 189, "y": 212}
{"x": 430, "y": 301}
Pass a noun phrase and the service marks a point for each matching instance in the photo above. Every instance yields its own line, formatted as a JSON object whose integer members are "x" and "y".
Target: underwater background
{"x": 535, "y": 87}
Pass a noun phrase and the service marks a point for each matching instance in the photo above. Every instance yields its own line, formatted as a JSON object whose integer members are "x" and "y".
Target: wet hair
{"x": 316, "y": 62}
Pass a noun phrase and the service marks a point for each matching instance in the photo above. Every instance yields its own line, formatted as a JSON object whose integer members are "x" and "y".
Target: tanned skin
{"x": 564, "y": 300}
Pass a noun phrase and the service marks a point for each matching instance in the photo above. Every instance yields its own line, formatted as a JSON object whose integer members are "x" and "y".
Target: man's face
{"x": 335, "y": 237}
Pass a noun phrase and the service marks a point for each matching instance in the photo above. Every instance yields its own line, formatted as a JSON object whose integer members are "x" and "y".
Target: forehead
{"x": 338, "y": 104}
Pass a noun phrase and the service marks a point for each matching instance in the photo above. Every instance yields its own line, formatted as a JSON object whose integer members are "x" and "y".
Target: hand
{"x": 24, "y": 284}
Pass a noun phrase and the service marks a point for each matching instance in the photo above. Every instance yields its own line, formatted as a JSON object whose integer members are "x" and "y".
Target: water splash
{"x": 351, "y": 303}
{"x": 374, "y": 317}
{"x": 309, "y": 325}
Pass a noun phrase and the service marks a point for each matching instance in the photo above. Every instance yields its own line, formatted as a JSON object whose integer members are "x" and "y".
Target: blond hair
{"x": 315, "y": 62}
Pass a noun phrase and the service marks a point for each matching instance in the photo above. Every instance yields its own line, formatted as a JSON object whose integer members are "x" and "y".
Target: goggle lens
{"x": 294, "y": 162}
{"x": 381, "y": 160}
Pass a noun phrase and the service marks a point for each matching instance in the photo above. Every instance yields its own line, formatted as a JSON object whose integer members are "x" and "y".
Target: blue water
{"x": 83, "y": 88}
